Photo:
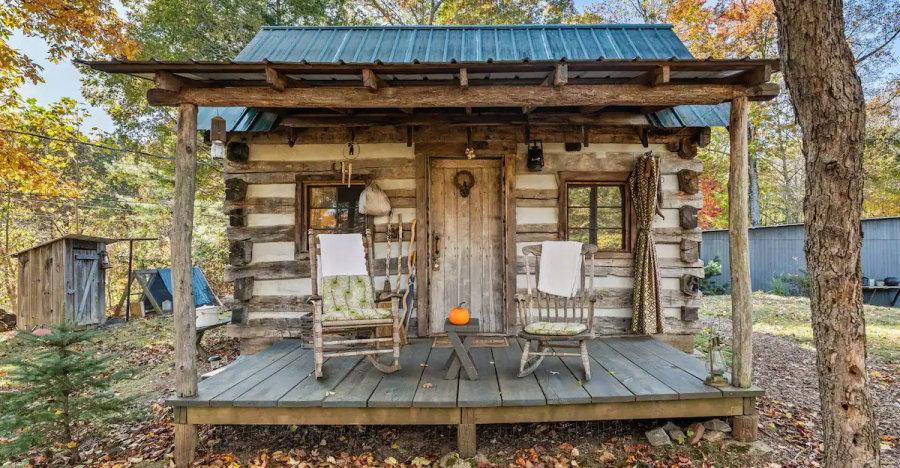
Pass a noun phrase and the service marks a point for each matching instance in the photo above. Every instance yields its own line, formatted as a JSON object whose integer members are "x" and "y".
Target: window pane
{"x": 323, "y": 197}
{"x": 579, "y": 195}
{"x": 610, "y": 239}
{"x": 323, "y": 218}
{"x": 609, "y": 195}
{"x": 579, "y": 235}
{"x": 609, "y": 217}
{"x": 579, "y": 217}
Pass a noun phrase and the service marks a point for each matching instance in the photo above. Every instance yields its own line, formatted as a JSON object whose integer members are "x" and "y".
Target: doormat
{"x": 480, "y": 342}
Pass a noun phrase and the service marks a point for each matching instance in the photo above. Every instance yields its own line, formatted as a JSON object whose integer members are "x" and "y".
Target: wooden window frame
{"x": 598, "y": 178}
{"x": 301, "y": 221}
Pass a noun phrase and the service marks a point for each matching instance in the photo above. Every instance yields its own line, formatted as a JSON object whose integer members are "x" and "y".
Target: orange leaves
{"x": 726, "y": 28}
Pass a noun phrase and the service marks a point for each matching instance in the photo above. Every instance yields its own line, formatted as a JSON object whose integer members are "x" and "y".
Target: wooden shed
{"x": 63, "y": 279}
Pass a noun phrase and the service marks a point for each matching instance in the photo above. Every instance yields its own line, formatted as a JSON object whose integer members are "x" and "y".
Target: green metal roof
{"x": 425, "y": 44}
{"x": 447, "y": 44}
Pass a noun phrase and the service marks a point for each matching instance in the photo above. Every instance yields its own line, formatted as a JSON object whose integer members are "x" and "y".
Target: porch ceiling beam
{"x": 168, "y": 81}
{"x": 606, "y": 119}
{"x": 590, "y": 109}
{"x": 754, "y": 76}
{"x": 558, "y": 77}
{"x": 372, "y": 81}
{"x": 463, "y": 78}
{"x": 493, "y": 96}
{"x": 654, "y": 77}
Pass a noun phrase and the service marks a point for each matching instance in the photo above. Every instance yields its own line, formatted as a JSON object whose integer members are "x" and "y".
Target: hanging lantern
{"x": 536, "y": 156}
{"x": 716, "y": 363}
{"x": 105, "y": 263}
{"x": 217, "y": 136}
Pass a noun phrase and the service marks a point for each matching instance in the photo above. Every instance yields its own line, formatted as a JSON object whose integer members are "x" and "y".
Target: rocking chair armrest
{"x": 312, "y": 299}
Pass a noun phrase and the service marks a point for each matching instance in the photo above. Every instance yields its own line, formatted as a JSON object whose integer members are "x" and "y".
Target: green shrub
{"x": 789, "y": 284}
{"x": 709, "y": 287}
{"x": 56, "y": 386}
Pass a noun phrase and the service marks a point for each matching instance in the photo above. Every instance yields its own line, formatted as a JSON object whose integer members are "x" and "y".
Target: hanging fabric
{"x": 644, "y": 183}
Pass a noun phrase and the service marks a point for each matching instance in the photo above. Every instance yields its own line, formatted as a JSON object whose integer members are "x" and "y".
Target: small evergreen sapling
{"x": 56, "y": 385}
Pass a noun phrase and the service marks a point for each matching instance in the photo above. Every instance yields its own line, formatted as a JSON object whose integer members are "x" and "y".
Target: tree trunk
{"x": 830, "y": 108}
{"x": 755, "y": 216}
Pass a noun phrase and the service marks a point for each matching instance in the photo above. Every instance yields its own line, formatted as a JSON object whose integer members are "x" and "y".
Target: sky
{"x": 60, "y": 80}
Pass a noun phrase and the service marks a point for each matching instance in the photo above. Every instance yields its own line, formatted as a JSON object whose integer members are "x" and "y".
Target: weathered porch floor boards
{"x": 625, "y": 369}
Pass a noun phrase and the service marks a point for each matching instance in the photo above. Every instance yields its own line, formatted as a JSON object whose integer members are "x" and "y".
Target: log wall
{"x": 271, "y": 272}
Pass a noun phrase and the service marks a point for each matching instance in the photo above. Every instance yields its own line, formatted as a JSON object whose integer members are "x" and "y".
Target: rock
{"x": 658, "y": 437}
{"x": 696, "y": 431}
{"x": 452, "y": 460}
{"x": 677, "y": 436}
{"x": 717, "y": 425}
{"x": 575, "y": 452}
{"x": 752, "y": 448}
{"x": 713, "y": 436}
{"x": 670, "y": 426}
{"x": 478, "y": 460}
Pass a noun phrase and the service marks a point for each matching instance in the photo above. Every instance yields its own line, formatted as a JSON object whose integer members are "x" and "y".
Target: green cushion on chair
{"x": 555, "y": 328}
{"x": 349, "y": 298}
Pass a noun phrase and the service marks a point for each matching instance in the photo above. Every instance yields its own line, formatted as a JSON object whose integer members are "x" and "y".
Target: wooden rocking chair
{"x": 346, "y": 305}
{"x": 568, "y": 326}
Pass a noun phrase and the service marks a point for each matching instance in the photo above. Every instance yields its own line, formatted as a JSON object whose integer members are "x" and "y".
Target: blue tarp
{"x": 203, "y": 295}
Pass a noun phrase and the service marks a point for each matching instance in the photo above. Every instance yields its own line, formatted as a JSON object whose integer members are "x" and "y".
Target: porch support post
{"x": 182, "y": 292}
{"x": 738, "y": 236}
{"x": 465, "y": 433}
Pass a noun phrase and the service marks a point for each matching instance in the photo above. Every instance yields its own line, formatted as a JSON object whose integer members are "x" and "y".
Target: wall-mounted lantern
{"x": 536, "y": 156}
{"x": 217, "y": 136}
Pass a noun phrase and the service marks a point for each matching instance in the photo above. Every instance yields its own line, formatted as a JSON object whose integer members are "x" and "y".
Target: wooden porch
{"x": 633, "y": 378}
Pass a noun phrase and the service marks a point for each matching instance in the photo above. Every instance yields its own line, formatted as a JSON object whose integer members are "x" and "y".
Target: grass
{"x": 790, "y": 317}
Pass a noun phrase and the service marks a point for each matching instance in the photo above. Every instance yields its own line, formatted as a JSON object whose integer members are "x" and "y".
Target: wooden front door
{"x": 467, "y": 242}
{"x": 88, "y": 296}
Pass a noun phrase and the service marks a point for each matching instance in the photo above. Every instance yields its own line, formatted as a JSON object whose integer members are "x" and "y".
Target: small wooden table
{"x": 875, "y": 290}
{"x": 460, "y": 355}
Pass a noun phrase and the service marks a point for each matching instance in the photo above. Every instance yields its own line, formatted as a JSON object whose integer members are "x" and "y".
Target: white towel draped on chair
{"x": 560, "y": 268}
{"x": 342, "y": 255}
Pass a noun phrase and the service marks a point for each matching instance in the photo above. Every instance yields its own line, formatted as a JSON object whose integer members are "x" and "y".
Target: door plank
{"x": 436, "y": 218}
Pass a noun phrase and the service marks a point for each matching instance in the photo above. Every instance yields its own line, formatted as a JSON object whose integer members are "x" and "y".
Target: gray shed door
{"x": 88, "y": 298}
{"x": 469, "y": 233}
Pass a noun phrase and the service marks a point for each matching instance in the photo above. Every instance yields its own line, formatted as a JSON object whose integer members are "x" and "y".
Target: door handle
{"x": 436, "y": 255}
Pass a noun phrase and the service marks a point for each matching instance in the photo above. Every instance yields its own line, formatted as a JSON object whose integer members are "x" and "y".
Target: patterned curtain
{"x": 647, "y": 311}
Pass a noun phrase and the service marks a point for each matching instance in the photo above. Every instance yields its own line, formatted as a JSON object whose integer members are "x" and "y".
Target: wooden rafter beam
{"x": 459, "y": 119}
{"x": 754, "y": 76}
{"x": 463, "y": 78}
{"x": 655, "y": 76}
{"x": 440, "y": 96}
{"x": 407, "y": 110}
{"x": 168, "y": 81}
{"x": 651, "y": 109}
{"x": 528, "y": 109}
{"x": 558, "y": 77}
{"x": 591, "y": 109}
{"x": 372, "y": 81}
{"x": 340, "y": 110}
{"x": 468, "y": 110}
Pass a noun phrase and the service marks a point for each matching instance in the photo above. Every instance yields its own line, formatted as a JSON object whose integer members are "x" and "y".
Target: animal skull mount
{"x": 464, "y": 181}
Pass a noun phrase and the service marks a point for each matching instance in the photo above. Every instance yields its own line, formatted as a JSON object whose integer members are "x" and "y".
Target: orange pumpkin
{"x": 459, "y": 315}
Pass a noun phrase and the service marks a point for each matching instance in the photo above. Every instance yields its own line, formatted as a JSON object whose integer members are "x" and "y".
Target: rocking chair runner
{"x": 346, "y": 305}
{"x": 555, "y": 321}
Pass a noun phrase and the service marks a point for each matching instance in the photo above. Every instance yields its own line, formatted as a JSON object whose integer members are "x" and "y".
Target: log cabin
{"x": 547, "y": 123}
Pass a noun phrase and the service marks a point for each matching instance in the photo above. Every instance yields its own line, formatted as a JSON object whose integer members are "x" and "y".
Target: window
{"x": 598, "y": 213}
{"x": 334, "y": 208}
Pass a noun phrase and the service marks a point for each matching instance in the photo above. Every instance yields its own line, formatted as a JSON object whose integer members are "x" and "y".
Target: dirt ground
{"x": 784, "y": 365}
